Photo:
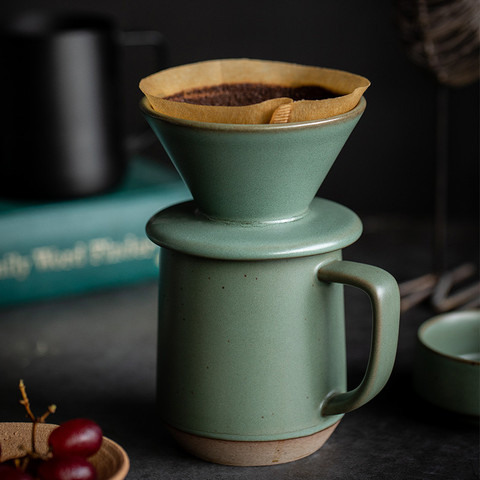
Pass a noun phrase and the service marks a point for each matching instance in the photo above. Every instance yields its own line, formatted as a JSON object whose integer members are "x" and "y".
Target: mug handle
{"x": 136, "y": 142}
{"x": 146, "y": 38}
{"x": 383, "y": 291}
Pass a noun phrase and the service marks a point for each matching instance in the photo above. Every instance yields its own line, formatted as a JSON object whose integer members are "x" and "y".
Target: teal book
{"x": 70, "y": 247}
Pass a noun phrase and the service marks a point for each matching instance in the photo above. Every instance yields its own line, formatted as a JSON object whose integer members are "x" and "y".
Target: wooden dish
{"x": 111, "y": 461}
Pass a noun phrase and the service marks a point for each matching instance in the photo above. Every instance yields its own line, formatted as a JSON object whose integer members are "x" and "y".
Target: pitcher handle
{"x": 136, "y": 142}
{"x": 382, "y": 289}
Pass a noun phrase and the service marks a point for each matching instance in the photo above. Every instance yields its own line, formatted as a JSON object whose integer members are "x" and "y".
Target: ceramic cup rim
{"x": 263, "y": 127}
{"x": 450, "y": 317}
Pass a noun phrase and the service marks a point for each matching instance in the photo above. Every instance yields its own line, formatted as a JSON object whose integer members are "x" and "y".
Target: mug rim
{"x": 261, "y": 127}
{"x": 38, "y": 24}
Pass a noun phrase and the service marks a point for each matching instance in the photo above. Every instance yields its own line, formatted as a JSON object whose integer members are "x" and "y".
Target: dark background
{"x": 388, "y": 165}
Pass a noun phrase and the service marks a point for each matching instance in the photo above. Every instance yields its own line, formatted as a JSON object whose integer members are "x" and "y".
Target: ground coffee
{"x": 240, "y": 94}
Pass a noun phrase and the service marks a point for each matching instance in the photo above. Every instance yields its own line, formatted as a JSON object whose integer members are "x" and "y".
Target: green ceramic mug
{"x": 252, "y": 346}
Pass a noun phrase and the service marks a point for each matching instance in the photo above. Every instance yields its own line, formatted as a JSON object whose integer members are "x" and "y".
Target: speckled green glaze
{"x": 447, "y": 362}
{"x": 251, "y": 312}
{"x": 255, "y": 350}
{"x": 253, "y": 173}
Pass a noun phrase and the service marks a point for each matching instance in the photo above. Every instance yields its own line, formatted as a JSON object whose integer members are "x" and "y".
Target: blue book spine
{"x": 57, "y": 249}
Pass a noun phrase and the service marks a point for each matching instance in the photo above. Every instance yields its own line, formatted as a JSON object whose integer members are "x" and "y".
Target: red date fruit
{"x": 66, "y": 468}
{"x": 80, "y": 437}
{"x": 9, "y": 472}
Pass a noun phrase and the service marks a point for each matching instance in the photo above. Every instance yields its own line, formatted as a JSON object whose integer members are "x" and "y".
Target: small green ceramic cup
{"x": 447, "y": 363}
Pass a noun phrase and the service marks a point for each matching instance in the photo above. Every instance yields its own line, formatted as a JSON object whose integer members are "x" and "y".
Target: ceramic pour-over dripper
{"x": 251, "y": 363}
{"x": 253, "y": 173}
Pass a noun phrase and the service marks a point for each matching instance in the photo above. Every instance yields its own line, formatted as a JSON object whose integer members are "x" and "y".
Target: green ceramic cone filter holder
{"x": 251, "y": 351}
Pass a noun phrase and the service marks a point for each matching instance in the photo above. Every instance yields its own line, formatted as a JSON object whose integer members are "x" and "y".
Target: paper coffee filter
{"x": 348, "y": 86}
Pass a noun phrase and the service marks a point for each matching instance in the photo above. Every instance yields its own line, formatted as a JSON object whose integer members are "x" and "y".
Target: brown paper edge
{"x": 249, "y": 114}
{"x": 214, "y": 72}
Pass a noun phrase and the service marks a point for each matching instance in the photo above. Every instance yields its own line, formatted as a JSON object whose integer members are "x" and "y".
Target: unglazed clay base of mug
{"x": 252, "y": 454}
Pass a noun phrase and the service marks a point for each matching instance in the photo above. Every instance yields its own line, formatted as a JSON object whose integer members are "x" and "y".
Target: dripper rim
{"x": 356, "y": 111}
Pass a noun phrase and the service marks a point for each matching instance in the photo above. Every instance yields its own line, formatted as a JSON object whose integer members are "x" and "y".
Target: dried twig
{"x": 26, "y": 403}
